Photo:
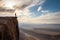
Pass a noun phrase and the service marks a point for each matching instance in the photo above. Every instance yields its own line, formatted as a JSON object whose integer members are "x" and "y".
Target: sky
{"x": 32, "y": 11}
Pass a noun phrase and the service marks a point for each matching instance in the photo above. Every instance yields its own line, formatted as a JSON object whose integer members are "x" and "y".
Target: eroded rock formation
{"x": 9, "y": 28}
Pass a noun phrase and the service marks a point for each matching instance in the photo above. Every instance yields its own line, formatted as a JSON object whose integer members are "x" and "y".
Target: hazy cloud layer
{"x": 43, "y": 19}
{"x": 22, "y": 4}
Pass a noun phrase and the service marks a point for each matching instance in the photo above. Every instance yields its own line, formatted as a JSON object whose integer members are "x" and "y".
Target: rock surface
{"x": 9, "y": 28}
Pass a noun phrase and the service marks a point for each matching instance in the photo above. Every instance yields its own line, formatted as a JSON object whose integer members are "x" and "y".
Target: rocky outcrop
{"x": 9, "y": 28}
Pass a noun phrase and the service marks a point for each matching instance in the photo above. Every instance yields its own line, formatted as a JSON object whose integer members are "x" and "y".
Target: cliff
{"x": 9, "y": 28}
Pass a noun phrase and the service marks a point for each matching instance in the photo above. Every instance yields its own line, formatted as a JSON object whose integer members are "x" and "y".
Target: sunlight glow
{"x": 9, "y": 5}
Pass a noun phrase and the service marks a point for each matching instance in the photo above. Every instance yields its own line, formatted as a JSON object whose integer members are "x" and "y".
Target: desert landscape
{"x": 39, "y": 34}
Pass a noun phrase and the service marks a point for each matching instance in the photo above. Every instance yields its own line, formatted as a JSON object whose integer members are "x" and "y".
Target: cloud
{"x": 51, "y": 15}
{"x": 22, "y": 13}
{"x": 39, "y": 9}
{"x": 22, "y": 4}
{"x": 44, "y": 11}
{"x": 36, "y": 2}
{"x": 6, "y": 10}
{"x": 6, "y": 15}
{"x": 43, "y": 19}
